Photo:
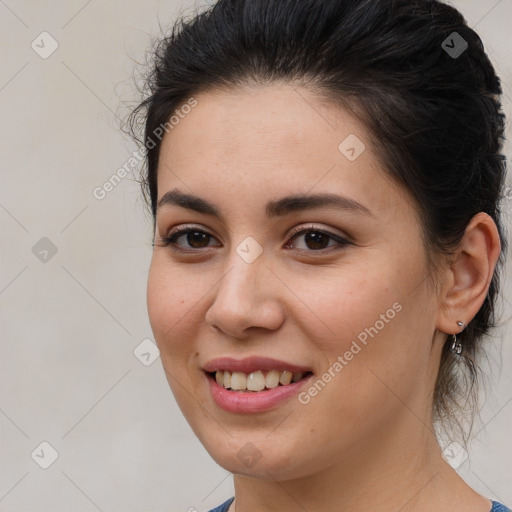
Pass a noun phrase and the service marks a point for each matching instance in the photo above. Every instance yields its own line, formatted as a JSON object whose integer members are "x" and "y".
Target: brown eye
{"x": 194, "y": 239}
{"x": 317, "y": 240}
{"x": 197, "y": 239}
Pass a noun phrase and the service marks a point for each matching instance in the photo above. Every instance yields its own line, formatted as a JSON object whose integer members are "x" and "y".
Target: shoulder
{"x": 224, "y": 507}
{"x": 499, "y": 507}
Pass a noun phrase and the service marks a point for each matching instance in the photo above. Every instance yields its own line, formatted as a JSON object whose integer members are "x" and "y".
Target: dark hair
{"x": 431, "y": 104}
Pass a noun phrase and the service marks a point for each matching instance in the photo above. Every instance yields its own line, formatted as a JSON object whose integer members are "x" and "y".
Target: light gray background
{"x": 70, "y": 325}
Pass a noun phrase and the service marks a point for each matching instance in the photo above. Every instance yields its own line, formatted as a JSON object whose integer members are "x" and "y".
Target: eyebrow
{"x": 274, "y": 208}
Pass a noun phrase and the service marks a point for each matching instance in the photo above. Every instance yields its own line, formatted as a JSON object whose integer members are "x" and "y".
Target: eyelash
{"x": 180, "y": 231}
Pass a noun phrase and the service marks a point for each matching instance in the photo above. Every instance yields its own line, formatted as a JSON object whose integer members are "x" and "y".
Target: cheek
{"x": 172, "y": 307}
{"x": 347, "y": 302}
{"x": 372, "y": 319}
{"x": 170, "y": 303}
{"x": 381, "y": 348}
{"x": 161, "y": 301}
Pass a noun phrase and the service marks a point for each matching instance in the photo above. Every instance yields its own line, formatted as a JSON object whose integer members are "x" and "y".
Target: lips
{"x": 250, "y": 386}
{"x": 253, "y": 364}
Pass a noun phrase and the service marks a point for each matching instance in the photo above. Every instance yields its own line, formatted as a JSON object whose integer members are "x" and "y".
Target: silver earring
{"x": 456, "y": 344}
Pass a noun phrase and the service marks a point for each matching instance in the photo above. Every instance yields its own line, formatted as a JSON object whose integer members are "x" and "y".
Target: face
{"x": 335, "y": 289}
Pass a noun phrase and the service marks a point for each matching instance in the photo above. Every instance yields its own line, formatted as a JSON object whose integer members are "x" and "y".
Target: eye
{"x": 316, "y": 239}
{"x": 194, "y": 237}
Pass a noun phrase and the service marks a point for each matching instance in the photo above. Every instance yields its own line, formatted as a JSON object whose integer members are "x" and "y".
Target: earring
{"x": 456, "y": 344}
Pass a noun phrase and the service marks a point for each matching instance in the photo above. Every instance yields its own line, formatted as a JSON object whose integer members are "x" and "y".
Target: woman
{"x": 324, "y": 179}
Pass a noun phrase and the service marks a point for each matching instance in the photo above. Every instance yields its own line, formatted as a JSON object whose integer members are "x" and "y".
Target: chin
{"x": 252, "y": 456}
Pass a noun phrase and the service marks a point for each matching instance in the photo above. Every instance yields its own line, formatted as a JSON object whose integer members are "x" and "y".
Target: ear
{"x": 469, "y": 274}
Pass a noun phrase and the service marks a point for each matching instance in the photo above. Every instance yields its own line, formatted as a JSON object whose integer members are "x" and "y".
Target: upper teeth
{"x": 255, "y": 381}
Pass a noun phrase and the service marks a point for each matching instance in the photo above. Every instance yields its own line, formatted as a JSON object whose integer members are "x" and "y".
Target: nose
{"x": 248, "y": 296}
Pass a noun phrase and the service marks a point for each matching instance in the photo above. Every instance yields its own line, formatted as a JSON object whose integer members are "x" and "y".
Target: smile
{"x": 255, "y": 384}
{"x": 255, "y": 381}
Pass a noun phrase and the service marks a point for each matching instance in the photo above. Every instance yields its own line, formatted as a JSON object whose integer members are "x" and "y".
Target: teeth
{"x": 255, "y": 381}
{"x": 227, "y": 379}
{"x": 238, "y": 380}
{"x": 272, "y": 379}
{"x": 297, "y": 376}
{"x": 285, "y": 378}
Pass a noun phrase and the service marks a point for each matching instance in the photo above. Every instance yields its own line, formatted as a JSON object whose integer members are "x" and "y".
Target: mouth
{"x": 255, "y": 384}
{"x": 256, "y": 381}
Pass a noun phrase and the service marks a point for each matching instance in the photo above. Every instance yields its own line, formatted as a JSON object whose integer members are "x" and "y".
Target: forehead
{"x": 255, "y": 141}
{"x": 265, "y": 119}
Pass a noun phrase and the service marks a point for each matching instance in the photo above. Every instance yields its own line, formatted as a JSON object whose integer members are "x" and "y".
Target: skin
{"x": 366, "y": 440}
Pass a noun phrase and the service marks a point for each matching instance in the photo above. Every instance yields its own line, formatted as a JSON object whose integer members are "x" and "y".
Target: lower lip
{"x": 251, "y": 401}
